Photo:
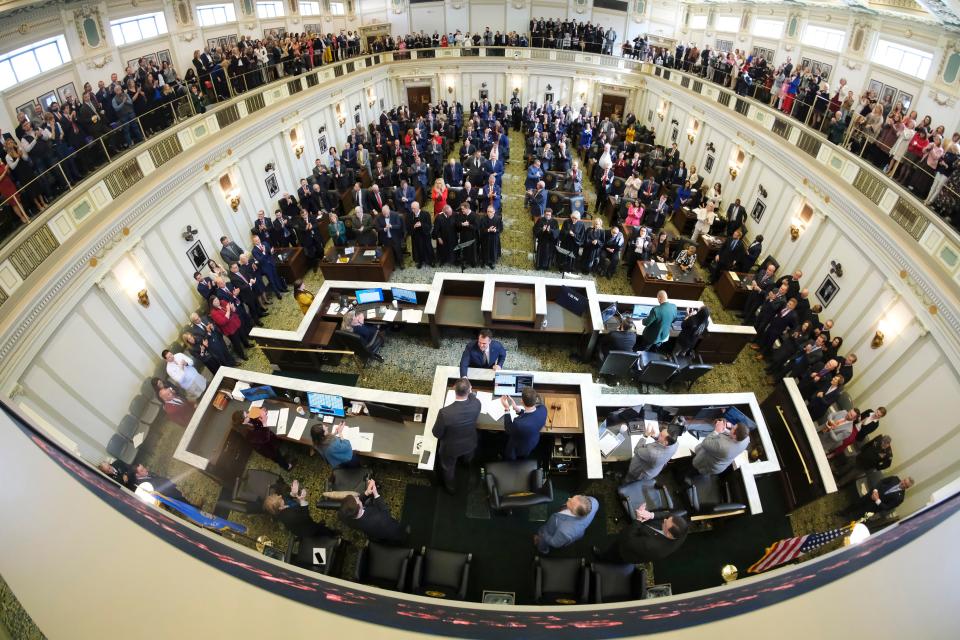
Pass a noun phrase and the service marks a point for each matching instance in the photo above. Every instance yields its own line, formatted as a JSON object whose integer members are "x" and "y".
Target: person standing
{"x": 456, "y": 431}
{"x": 657, "y": 323}
{"x": 489, "y": 228}
{"x": 180, "y": 369}
{"x": 522, "y": 425}
{"x": 545, "y": 234}
{"x": 888, "y": 494}
{"x": 565, "y": 527}
{"x": 390, "y": 231}
{"x": 420, "y": 233}
{"x": 647, "y": 539}
{"x": 721, "y": 447}
{"x": 649, "y": 458}
{"x": 263, "y": 254}
{"x": 250, "y": 424}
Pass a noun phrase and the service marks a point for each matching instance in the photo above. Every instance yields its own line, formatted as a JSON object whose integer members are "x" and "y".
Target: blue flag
{"x": 202, "y": 518}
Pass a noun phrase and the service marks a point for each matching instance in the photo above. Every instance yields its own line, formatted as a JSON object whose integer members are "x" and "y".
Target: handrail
{"x": 386, "y": 57}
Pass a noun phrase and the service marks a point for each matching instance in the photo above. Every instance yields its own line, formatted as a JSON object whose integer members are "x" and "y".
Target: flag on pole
{"x": 790, "y": 548}
{"x": 202, "y": 518}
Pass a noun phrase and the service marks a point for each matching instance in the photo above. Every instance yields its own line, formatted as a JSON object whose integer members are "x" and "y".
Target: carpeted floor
{"x": 437, "y": 519}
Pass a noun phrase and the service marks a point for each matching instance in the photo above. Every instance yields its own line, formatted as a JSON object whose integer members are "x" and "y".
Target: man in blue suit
{"x": 523, "y": 431}
{"x": 566, "y": 527}
{"x": 538, "y": 201}
{"x": 534, "y": 175}
{"x": 485, "y": 353}
{"x": 263, "y": 254}
{"x": 453, "y": 173}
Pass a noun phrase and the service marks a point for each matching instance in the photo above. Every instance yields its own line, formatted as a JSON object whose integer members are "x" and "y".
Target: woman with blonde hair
{"x": 439, "y": 194}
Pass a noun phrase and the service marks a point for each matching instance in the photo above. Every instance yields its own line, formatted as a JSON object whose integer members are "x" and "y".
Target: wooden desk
{"x": 292, "y": 263}
{"x": 705, "y": 250}
{"x": 358, "y": 267}
{"x": 287, "y": 356}
{"x": 684, "y": 219}
{"x": 564, "y": 412}
{"x": 647, "y": 281}
{"x": 513, "y": 303}
{"x": 731, "y": 291}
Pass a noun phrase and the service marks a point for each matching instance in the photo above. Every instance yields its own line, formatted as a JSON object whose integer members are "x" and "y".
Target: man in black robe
{"x": 545, "y": 234}
{"x": 420, "y": 227}
{"x": 490, "y": 227}
{"x": 445, "y": 233}
{"x": 572, "y": 235}
{"x": 466, "y": 225}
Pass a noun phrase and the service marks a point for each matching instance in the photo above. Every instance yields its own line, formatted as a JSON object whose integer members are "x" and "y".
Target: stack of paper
{"x": 362, "y": 442}
{"x": 388, "y": 316}
{"x": 412, "y": 316}
{"x": 272, "y": 418}
{"x": 237, "y": 388}
{"x": 282, "y": 421}
{"x": 736, "y": 278}
{"x": 299, "y": 426}
{"x": 333, "y": 309}
{"x": 371, "y": 313}
{"x": 370, "y": 253}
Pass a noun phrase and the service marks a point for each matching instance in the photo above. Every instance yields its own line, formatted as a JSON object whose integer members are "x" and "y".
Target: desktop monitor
{"x": 384, "y": 412}
{"x": 735, "y": 416}
{"x": 511, "y": 384}
{"x": 325, "y": 404}
{"x": 369, "y": 296}
{"x": 258, "y": 393}
{"x": 403, "y": 295}
{"x": 641, "y": 311}
{"x": 609, "y": 313}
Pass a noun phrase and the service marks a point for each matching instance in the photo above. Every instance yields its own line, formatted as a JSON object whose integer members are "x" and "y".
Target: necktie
{"x": 486, "y": 357}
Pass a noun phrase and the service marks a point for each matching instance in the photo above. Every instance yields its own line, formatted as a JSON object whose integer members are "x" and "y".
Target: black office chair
{"x": 441, "y": 574}
{"x": 143, "y": 409}
{"x": 364, "y": 351}
{"x": 657, "y": 498}
{"x": 302, "y": 552}
{"x": 249, "y": 491}
{"x": 341, "y": 482}
{"x": 766, "y": 261}
{"x": 618, "y": 582}
{"x": 517, "y": 483}
{"x": 559, "y": 581}
{"x": 656, "y": 372}
{"x": 714, "y": 496}
{"x": 383, "y": 566}
{"x": 618, "y": 364}
{"x": 690, "y": 374}
{"x": 121, "y": 448}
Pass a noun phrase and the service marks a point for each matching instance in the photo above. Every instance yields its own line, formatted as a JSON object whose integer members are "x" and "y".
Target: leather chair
{"x": 518, "y": 483}
{"x": 300, "y": 551}
{"x": 384, "y": 566}
{"x": 129, "y": 427}
{"x": 843, "y": 401}
{"x": 649, "y": 492}
{"x": 344, "y": 479}
{"x": 656, "y": 372}
{"x": 618, "y": 582}
{"x": 713, "y": 496}
{"x": 560, "y": 581}
{"x": 144, "y": 410}
{"x": 250, "y": 490}
{"x": 365, "y": 351}
{"x": 618, "y": 364}
{"x": 690, "y": 374}
{"x": 121, "y": 448}
{"x": 441, "y": 574}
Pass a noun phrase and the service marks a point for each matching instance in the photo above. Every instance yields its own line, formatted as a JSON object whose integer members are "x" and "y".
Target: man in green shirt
{"x": 657, "y": 323}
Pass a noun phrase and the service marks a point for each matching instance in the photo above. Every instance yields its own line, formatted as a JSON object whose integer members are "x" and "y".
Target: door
{"x": 417, "y": 99}
{"x": 612, "y": 106}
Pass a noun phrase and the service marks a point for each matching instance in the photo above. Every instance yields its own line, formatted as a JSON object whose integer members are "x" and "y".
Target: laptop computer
{"x": 511, "y": 384}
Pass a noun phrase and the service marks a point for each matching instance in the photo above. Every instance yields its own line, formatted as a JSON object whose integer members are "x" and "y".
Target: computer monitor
{"x": 641, "y": 311}
{"x": 325, "y": 404}
{"x": 369, "y": 296}
{"x": 258, "y": 393}
{"x": 735, "y": 416}
{"x": 384, "y": 412}
{"x": 403, "y": 295}
{"x": 511, "y": 384}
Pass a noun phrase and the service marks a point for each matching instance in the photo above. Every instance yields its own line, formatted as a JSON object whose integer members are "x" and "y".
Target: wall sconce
{"x": 794, "y": 232}
{"x": 298, "y": 151}
{"x": 691, "y": 137}
{"x": 189, "y": 233}
{"x": 711, "y": 148}
{"x": 763, "y": 191}
{"x": 341, "y": 121}
{"x": 836, "y": 268}
{"x": 143, "y": 298}
{"x": 877, "y": 341}
{"x": 733, "y": 176}
{"x": 235, "y": 199}
{"x": 660, "y": 115}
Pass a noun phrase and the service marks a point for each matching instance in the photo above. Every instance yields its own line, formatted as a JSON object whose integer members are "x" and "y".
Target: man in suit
{"x": 736, "y": 215}
{"x": 522, "y": 425}
{"x": 622, "y": 339}
{"x": 565, "y": 527}
{"x": 875, "y": 455}
{"x": 647, "y": 539}
{"x": 375, "y": 199}
{"x": 729, "y": 254}
{"x": 649, "y": 458}
{"x": 204, "y": 285}
{"x": 783, "y": 320}
{"x": 364, "y": 233}
{"x": 749, "y": 257}
{"x": 456, "y": 431}
{"x": 230, "y": 251}
{"x": 657, "y": 323}
{"x": 485, "y": 353}
{"x": 759, "y": 290}
{"x": 538, "y": 200}
{"x": 720, "y": 448}
{"x": 391, "y": 233}
{"x": 163, "y": 486}
{"x": 453, "y": 173}
{"x": 370, "y": 515}
{"x": 263, "y": 254}
{"x": 886, "y": 495}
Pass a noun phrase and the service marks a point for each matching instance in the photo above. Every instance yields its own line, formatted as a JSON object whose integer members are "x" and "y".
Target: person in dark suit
{"x": 886, "y": 495}
{"x": 456, "y": 431}
{"x": 783, "y": 320}
{"x": 230, "y": 251}
{"x": 204, "y": 285}
{"x": 565, "y": 527}
{"x": 295, "y": 515}
{"x": 657, "y": 323}
{"x": 846, "y": 366}
{"x": 762, "y": 283}
{"x": 869, "y": 422}
{"x": 453, "y": 173}
{"x": 391, "y": 234}
{"x": 375, "y": 199}
{"x": 729, "y": 254}
{"x": 624, "y": 338}
{"x": 736, "y": 215}
{"x": 370, "y": 515}
{"x": 876, "y": 455}
{"x": 646, "y": 539}
{"x": 538, "y": 201}
{"x": 523, "y": 431}
{"x": 485, "y": 353}
{"x": 749, "y": 257}
{"x": 164, "y": 486}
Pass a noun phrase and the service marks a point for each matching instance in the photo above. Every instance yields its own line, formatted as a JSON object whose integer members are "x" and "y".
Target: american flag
{"x": 789, "y": 548}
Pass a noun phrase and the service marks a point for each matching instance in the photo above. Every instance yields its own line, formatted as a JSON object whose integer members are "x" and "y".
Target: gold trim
{"x": 806, "y": 471}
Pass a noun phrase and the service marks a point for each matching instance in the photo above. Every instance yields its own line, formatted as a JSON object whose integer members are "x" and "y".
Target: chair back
{"x": 618, "y": 582}
{"x": 618, "y": 363}
{"x": 513, "y": 476}
{"x": 691, "y": 373}
{"x": 121, "y": 448}
{"x": 657, "y": 372}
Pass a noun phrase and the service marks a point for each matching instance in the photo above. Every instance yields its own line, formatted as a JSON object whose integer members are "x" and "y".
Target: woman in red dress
{"x": 8, "y": 192}
{"x": 440, "y": 192}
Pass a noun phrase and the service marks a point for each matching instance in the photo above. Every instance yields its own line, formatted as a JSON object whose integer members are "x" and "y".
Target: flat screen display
{"x": 369, "y": 296}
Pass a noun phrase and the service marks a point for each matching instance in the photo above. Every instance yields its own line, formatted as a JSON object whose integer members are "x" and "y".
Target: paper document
{"x": 687, "y": 443}
{"x": 348, "y": 251}
{"x": 651, "y": 427}
{"x": 371, "y": 313}
{"x": 237, "y": 388}
{"x": 412, "y": 316}
{"x": 282, "y": 421}
{"x": 389, "y": 316}
{"x": 636, "y": 438}
{"x": 736, "y": 278}
{"x": 356, "y": 408}
{"x": 256, "y": 403}
{"x": 328, "y": 419}
{"x": 319, "y": 555}
{"x": 417, "y": 445}
{"x": 333, "y": 309}
{"x": 610, "y": 441}
{"x": 484, "y": 396}
{"x": 362, "y": 442}
{"x": 272, "y": 417}
{"x": 138, "y": 438}
{"x": 296, "y": 431}
{"x": 494, "y": 409}
{"x": 370, "y": 253}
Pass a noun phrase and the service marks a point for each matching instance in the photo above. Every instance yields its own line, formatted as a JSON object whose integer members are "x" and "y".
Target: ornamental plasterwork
{"x": 89, "y": 26}
{"x": 95, "y": 63}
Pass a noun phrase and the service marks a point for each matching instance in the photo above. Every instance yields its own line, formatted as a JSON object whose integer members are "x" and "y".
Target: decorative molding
{"x": 83, "y": 14}
{"x": 94, "y": 63}
{"x": 944, "y": 100}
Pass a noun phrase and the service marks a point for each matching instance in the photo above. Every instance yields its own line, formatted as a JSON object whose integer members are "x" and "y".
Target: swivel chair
{"x": 618, "y": 582}
{"x": 249, "y": 491}
{"x": 655, "y": 371}
{"x": 690, "y": 373}
{"x": 441, "y": 574}
{"x": 341, "y": 482}
{"x": 518, "y": 483}
{"x": 560, "y": 581}
{"x": 303, "y": 553}
{"x": 657, "y": 498}
{"x": 121, "y": 448}
{"x": 383, "y": 566}
{"x": 713, "y": 496}
{"x": 618, "y": 364}
{"x": 364, "y": 351}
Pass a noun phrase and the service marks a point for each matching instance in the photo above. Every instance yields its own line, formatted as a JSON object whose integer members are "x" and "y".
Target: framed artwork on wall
{"x": 904, "y": 98}
{"x": 164, "y": 56}
{"x": 46, "y": 99}
{"x": 66, "y": 91}
{"x": 197, "y": 256}
{"x": 27, "y": 108}
{"x": 273, "y": 187}
{"x": 759, "y": 207}
{"x": 888, "y": 94}
{"x": 827, "y": 290}
{"x": 322, "y": 143}
{"x": 818, "y": 68}
{"x": 548, "y": 97}
{"x": 875, "y": 87}
{"x": 708, "y": 164}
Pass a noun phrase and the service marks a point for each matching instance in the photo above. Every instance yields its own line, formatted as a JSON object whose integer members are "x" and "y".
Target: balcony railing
{"x": 28, "y": 246}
